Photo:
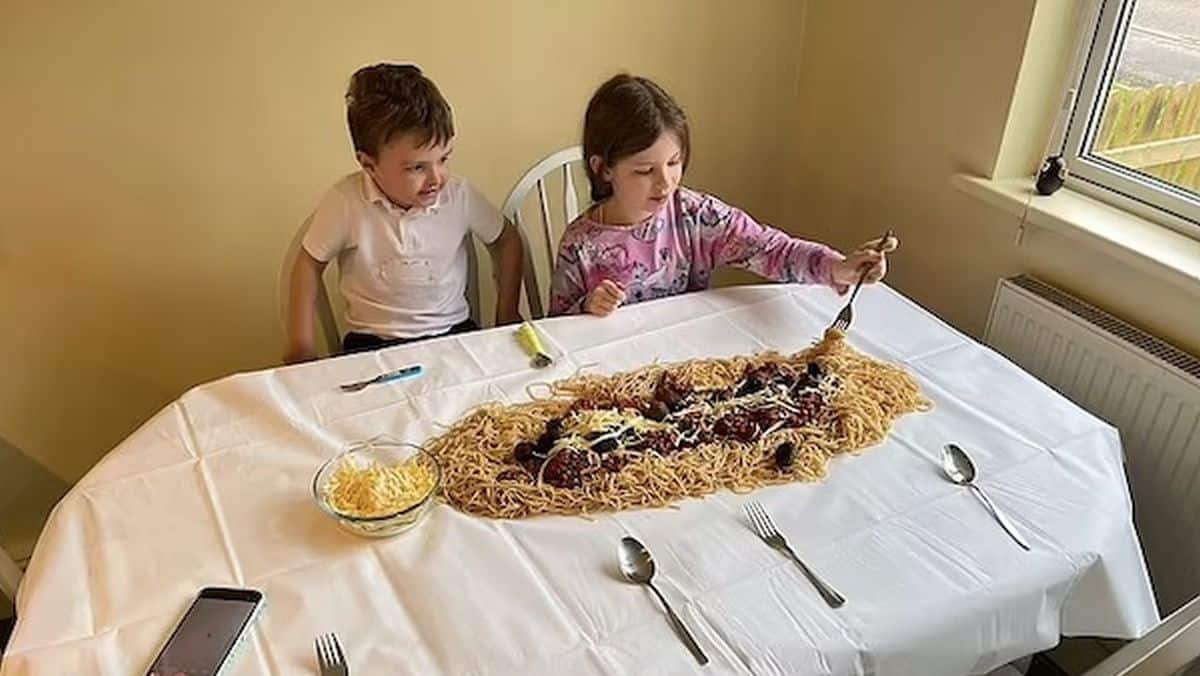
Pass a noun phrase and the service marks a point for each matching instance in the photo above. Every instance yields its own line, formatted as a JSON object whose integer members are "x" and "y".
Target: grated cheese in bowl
{"x": 378, "y": 488}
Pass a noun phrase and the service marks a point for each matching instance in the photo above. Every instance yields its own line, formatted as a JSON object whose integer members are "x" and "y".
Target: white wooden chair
{"x": 1172, "y": 647}
{"x": 329, "y": 318}
{"x": 560, "y": 162}
{"x": 10, "y": 576}
{"x": 1018, "y": 668}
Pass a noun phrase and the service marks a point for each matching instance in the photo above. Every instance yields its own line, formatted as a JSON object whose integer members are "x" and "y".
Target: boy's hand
{"x": 604, "y": 299}
{"x": 299, "y": 353}
{"x": 507, "y": 262}
{"x": 301, "y": 308}
{"x": 506, "y": 317}
{"x": 865, "y": 258}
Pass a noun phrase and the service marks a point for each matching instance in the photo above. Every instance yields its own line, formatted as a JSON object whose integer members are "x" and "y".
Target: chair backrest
{"x": 327, "y": 320}
{"x": 560, "y": 167}
{"x": 10, "y": 576}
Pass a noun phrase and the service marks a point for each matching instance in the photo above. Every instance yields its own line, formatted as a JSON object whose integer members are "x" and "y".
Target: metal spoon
{"x": 638, "y": 567}
{"x": 959, "y": 469}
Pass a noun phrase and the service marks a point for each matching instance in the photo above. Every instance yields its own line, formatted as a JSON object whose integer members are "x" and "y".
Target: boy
{"x": 399, "y": 227}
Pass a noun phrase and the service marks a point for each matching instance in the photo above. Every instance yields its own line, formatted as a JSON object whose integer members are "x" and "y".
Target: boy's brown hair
{"x": 626, "y": 115}
{"x": 387, "y": 99}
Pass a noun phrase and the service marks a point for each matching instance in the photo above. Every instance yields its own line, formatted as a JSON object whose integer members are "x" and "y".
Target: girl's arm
{"x": 742, "y": 242}
{"x": 568, "y": 286}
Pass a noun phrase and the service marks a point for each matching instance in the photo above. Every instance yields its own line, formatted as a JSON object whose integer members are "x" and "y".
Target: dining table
{"x": 216, "y": 489}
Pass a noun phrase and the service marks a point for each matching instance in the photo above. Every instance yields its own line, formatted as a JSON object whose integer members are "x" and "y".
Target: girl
{"x": 647, "y": 236}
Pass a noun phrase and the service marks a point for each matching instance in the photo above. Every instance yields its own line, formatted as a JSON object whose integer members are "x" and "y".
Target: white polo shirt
{"x": 403, "y": 272}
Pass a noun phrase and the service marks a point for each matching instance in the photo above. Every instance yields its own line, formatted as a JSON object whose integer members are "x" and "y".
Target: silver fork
{"x": 842, "y": 322}
{"x": 330, "y": 658}
{"x": 765, "y": 527}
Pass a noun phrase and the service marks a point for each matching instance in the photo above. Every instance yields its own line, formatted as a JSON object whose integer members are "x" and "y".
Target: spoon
{"x": 959, "y": 469}
{"x": 638, "y": 567}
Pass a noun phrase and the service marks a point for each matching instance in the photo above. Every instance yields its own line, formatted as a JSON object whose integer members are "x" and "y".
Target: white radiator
{"x": 1143, "y": 386}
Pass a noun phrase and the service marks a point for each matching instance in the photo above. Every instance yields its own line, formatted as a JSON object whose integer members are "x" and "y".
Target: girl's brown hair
{"x": 626, "y": 115}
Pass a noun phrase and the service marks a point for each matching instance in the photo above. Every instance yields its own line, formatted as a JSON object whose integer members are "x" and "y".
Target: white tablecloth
{"x": 215, "y": 490}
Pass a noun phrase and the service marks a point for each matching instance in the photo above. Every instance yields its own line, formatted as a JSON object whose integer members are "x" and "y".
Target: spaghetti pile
{"x": 664, "y": 432}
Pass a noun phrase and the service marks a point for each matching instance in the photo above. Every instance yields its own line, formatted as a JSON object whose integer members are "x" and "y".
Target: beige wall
{"x": 895, "y": 97}
{"x": 157, "y": 157}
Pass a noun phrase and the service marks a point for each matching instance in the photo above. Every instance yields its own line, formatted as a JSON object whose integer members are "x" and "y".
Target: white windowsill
{"x": 1143, "y": 244}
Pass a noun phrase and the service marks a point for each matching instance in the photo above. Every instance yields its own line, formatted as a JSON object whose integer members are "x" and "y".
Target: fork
{"x": 329, "y": 656}
{"x": 765, "y": 527}
{"x": 398, "y": 374}
{"x": 842, "y": 322}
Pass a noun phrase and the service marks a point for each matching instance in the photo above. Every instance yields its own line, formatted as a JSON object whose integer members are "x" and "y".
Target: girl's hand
{"x": 865, "y": 259}
{"x": 605, "y": 298}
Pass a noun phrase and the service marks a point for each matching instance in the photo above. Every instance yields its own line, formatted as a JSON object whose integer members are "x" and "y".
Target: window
{"x": 1134, "y": 135}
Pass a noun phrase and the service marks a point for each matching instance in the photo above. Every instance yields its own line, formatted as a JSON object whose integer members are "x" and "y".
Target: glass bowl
{"x": 386, "y": 452}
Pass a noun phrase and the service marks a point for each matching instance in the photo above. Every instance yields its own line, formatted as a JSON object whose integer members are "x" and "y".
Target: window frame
{"x": 1146, "y": 196}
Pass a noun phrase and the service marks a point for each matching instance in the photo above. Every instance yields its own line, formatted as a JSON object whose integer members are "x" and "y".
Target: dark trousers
{"x": 362, "y": 342}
